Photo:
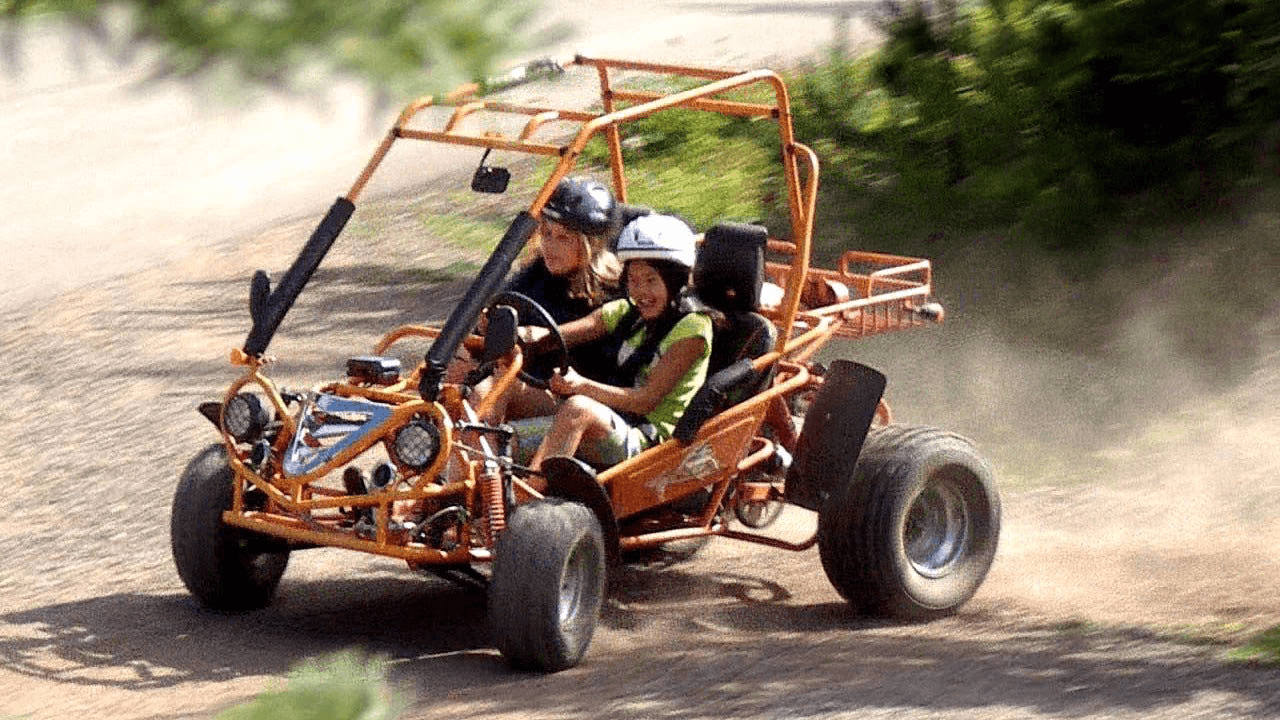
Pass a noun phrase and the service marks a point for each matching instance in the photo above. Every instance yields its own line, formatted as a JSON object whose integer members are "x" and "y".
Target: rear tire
{"x": 548, "y": 584}
{"x": 914, "y": 532}
{"x": 224, "y": 567}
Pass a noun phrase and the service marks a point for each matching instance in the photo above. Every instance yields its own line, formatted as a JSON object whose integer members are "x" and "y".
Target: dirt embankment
{"x": 1136, "y": 450}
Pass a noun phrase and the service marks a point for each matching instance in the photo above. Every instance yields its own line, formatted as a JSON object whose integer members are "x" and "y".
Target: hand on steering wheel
{"x": 565, "y": 382}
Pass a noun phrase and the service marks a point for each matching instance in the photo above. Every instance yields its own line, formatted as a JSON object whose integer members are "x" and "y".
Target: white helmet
{"x": 657, "y": 237}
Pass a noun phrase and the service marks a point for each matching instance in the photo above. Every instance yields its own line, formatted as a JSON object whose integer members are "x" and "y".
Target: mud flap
{"x": 572, "y": 479}
{"x": 834, "y": 429}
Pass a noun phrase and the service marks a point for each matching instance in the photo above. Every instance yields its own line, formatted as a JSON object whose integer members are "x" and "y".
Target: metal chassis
{"x": 867, "y": 294}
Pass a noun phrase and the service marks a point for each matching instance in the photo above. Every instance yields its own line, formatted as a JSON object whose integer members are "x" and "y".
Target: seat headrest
{"x": 729, "y": 271}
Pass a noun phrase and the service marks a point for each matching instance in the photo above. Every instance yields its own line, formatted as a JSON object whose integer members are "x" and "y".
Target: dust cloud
{"x": 1127, "y": 404}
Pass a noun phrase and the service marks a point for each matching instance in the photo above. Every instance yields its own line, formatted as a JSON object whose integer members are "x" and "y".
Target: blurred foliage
{"x": 1045, "y": 115}
{"x": 704, "y": 167}
{"x": 465, "y": 232}
{"x": 401, "y": 47}
{"x": 345, "y": 686}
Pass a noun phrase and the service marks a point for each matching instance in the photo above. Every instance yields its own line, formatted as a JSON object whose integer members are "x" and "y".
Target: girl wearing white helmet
{"x": 661, "y": 358}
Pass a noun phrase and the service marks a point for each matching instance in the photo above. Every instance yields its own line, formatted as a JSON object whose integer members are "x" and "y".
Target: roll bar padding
{"x": 466, "y": 313}
{"x": 269, "y": 308}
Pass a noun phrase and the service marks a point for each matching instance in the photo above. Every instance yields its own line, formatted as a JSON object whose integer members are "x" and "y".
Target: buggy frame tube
{"x": 268, "y": 310}
{"x": 802, "y": 196}
{"x": 467, "y": 312}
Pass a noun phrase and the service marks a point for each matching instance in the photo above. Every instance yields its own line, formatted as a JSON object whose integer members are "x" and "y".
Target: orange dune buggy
{"x": 907, "y": 517}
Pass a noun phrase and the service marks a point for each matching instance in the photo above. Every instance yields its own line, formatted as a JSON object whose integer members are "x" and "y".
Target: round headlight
{"x": 244, "y": 417}
{"x": 417, "y": 444}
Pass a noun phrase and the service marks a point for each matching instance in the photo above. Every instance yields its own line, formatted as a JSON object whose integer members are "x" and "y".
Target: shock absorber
{"x": 493, "y": 487}
{"x": 495, "y": 502}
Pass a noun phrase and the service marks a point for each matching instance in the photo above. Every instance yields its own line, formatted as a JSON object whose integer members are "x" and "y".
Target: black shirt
{"x": 591, "y": 360}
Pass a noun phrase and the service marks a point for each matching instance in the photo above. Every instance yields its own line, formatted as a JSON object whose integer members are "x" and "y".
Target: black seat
{"x": 744, "y": 335}
{"x": 728, "y": 276}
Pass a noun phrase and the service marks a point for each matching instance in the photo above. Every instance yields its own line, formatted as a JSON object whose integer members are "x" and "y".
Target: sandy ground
{"x": 1136, "y": 460}
{"x": 107, "y": 173}
{"x": 1111, "y": 596}
{"x": 1115, "y": 594}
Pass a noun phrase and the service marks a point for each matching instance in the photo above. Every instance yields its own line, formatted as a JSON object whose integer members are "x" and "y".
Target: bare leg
{"x": 521, "y": 401}
{"x": 578, "y": 417}
{"x": 525, "y": 402}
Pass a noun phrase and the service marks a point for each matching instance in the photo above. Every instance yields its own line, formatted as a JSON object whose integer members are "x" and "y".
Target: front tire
{"x": 548, "y": 584}
{"x": 224, "y": 568}
{"x": 914, "y": 532}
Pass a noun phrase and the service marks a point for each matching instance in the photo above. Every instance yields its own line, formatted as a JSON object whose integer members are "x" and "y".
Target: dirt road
{"x": 1139, "y": 486}
{"x": 107, "y": 173}
{"x": 1110, "y": 598}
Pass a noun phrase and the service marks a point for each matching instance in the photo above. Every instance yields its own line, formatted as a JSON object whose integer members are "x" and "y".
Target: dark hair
{"x": 675, "y": 277}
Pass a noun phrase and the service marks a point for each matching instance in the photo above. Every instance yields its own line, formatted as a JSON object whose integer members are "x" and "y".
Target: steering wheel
{"x": 530, "y": 312}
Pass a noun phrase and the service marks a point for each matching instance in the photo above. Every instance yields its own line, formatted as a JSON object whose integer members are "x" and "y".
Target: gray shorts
{"x": 623, "y": 440}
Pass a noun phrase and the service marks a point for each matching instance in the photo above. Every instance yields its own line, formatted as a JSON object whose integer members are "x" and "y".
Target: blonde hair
{"x": 598, "y": 272}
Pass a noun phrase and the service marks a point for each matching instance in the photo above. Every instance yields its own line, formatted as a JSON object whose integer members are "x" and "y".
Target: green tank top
{"x": 668, "y": 411}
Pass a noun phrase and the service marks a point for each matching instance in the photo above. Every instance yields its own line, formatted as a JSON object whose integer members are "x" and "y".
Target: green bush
{"x": 345, "y": 686}
{"x": 1048, "y": 115}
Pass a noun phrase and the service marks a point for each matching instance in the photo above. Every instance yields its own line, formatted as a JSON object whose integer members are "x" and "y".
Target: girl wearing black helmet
{"x": 661, "y": 361}
{"x": 572, "y": 271}
{"x": 569, "y": 273}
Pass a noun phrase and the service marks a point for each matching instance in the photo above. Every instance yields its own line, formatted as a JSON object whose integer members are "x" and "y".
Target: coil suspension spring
{"x": 495, "y": 504}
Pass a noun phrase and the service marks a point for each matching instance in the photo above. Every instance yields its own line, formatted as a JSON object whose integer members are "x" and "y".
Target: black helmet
{"x": 582, "y": 204}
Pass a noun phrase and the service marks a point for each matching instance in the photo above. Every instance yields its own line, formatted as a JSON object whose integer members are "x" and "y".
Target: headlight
{"x": 245, "y": 418}
{"x": 417, "y": 444}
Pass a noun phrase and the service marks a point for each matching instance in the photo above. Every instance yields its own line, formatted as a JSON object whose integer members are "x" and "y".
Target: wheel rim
{"x": 936, "y": 534}
{"x": 573, "y": 586}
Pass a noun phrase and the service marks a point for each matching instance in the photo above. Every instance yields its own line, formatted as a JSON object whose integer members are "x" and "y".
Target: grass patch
{"x": 1206, "y": 635}
{"x": 1076, "y": 627}
{"x": 346, "y": 686}
{"x": 1232, "y": 638}
{"x": 386, "y": 274}
{"x": 704, "y": 167}
{"x": 1262, "y": 649}
{"x": 457, "y": 270}
{"x": 464, "y": 232}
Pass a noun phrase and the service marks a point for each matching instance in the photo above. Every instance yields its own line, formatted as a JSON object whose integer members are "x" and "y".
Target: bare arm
{"x": 575, "y": 332}
{"x": 671, "y": 366}
{"x": 584, "y": 329}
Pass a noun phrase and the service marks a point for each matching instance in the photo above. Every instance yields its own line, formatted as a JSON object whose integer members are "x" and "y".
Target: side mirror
{"x": 489, "y": 179}
{"x": 492, "y": 180}
{"x": 259, "y": 295}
